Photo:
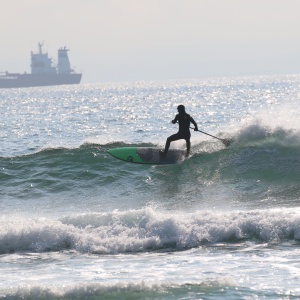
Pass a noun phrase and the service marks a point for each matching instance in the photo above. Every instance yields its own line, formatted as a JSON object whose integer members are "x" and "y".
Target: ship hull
{"x": 33, "y": 80}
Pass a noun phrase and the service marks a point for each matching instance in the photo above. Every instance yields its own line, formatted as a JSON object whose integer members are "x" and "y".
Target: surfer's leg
{"x": 188, "y": 143}
{"x": 188, "y": 146}
{"x": 170, "y": 139}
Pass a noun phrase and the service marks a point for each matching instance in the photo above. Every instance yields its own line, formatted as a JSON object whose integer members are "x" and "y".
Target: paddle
{"x": 224, "y": 141}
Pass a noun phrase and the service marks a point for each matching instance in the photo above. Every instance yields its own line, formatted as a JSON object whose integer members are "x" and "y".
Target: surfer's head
{"x": 181, "y": 108}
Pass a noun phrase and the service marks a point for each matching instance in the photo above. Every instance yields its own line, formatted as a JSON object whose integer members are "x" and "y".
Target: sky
{"x": 136, "y": 40}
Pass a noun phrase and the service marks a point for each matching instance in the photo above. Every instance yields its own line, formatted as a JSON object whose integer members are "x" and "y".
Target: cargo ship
{"x": 43, "y": 73}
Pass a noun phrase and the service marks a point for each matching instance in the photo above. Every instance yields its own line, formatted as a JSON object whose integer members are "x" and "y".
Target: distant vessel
{"x": 43, "y": 73}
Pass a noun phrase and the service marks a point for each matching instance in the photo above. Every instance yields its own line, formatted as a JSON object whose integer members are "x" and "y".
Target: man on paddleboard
{"x": 184, "y": 120}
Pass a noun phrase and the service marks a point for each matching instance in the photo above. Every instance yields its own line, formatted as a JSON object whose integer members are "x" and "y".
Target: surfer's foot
{"x": 162, "y": 153}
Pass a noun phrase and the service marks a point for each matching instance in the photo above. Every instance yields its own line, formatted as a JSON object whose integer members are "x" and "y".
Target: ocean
{"x": 77, "y": 223}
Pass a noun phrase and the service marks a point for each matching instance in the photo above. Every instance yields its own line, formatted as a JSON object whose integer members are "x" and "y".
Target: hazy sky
{"x": 120, "y": 40}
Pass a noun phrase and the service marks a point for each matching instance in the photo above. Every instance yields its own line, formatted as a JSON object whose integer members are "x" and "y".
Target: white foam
{"x": 114, "y": 290}
{"x": 146, "y": 230}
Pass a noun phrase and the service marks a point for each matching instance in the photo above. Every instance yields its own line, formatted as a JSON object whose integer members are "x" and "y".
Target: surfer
{"x": 184, "y": 120}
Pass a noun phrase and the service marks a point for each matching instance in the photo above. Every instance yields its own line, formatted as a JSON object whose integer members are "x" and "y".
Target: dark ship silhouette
{"x": 43, "y": 73}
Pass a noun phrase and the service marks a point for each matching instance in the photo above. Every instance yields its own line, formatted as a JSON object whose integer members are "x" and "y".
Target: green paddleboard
{"x": 147, "y": 155}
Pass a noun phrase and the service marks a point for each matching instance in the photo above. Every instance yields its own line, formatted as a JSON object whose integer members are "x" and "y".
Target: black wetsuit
{"x": 184, "y": 120}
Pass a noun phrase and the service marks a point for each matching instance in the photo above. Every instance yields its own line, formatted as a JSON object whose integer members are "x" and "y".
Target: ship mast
{"x": 40, "y": 45}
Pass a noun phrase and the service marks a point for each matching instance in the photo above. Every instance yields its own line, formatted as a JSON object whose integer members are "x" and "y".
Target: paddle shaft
{"x": 207, "y": 134}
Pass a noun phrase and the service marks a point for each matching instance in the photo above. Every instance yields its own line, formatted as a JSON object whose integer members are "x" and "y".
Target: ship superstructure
{"x": 41, "y": 63}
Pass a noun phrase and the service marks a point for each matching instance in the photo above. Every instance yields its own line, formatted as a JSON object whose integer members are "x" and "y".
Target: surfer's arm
{"x": 194, "y": 123}
{"x": 175, "y": 120}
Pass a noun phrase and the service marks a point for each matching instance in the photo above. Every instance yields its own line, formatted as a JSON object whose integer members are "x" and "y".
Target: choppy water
{"x": 77, "y": 223}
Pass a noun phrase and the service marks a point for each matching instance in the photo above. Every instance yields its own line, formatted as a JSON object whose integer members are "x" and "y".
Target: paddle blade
{"x": 226, "y": 142}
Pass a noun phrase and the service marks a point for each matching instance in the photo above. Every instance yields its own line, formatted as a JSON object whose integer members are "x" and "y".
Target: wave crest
{"x": 147, "y": 230}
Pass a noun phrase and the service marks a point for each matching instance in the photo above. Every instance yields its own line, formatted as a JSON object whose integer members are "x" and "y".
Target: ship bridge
{"x": 41, "y": 63}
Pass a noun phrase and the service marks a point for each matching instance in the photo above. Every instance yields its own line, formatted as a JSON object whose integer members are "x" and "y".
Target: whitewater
{"x": 76, "y": 223}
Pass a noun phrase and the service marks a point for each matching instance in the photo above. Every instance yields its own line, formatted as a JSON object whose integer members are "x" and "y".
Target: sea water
{"x": 77, "y": 223}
